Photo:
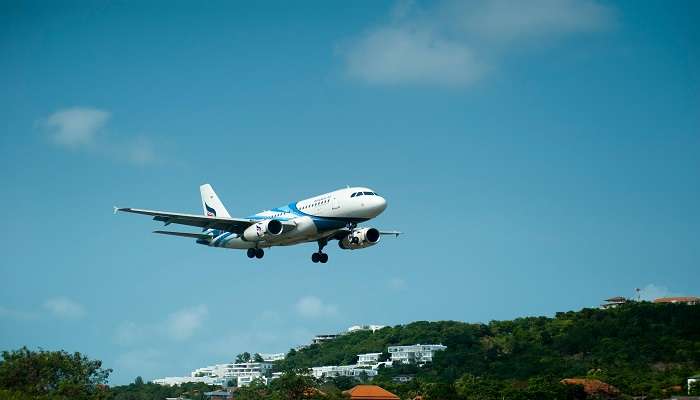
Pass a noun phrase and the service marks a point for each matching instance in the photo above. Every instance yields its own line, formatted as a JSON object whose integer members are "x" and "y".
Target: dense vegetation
{"x": 54, "y": 375}
{"x": 643, "y": 349}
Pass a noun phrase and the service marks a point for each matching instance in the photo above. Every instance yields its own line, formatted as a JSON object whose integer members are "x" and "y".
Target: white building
{"x": 179, "y": 380}
{"x": 272, "y": 357}
{"x": 247, "y": 372}
{"x": 373, "y": 328}
{"x": 241, "y": 373}
{"x": 368, "y": 359}
{"x": 334, "y": 371}
{"x": 318, "y": 339}
{"x": 414, "y": 354}
{"x": 692, "y": 381}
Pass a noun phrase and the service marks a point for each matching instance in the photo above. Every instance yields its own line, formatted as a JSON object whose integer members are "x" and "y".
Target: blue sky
{"x": 540, "y": 156}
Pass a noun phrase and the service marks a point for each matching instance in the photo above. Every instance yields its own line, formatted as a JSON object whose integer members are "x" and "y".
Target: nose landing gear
{"x": 320, "y": 256}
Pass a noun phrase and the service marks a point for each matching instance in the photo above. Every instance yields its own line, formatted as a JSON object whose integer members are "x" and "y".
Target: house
{"x": 368, "y": 359}
{"x": 690, "y": 300}
{"x": 414, "y": 354}
{"x": 403, "y": 378}
{"x": 318, "y": 339}
{"x": 358, "y": 328}
{"x": 370, "y": 392}
{"x": 692, "y": 381}
{"x": 218, "y": 395}
{"x": 613, "y": 302}
{"x": 334, "y": 371}
{"x": 594, "y": 387}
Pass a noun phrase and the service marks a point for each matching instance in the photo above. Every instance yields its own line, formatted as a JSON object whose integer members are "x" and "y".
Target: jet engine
{"x": 264, "y": 230}
{"x": 361, "y": 238}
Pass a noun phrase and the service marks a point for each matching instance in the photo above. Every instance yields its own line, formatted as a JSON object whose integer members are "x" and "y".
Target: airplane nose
{"x": 381, "y": 204}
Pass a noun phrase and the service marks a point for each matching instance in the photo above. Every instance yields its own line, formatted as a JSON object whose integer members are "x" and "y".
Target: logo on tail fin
{"x": 210, "y": 211}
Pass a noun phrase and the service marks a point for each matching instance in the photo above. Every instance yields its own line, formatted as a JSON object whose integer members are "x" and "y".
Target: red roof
{"x": 370, "y": 392}
{"x": 688, "y": 299}
{"x": 592, "y": 386}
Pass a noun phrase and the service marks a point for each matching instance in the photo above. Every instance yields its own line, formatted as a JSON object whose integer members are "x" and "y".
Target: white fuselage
{"x": 309, "y": 220}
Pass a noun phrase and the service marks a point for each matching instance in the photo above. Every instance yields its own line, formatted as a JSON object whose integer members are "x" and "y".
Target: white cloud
{"x": 178, "y": 326}
{"x": 65, "y": 308}
{"x": 141, "y": 362}
{"x": 182, "y": 324}
{"x": 140, "y": 152}
{"x": 313, "y": 307}
{"x": 506, "y": 20}
{"x": 397, "y": 55}
{"x": 652, "y": 292}
{"x": 456, "y": 43}
{"x": 77, "y": 126}
{"x": 85, "y": 128}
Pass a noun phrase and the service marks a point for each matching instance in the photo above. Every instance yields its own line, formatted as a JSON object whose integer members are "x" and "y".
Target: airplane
{"x": 320, "y": 219}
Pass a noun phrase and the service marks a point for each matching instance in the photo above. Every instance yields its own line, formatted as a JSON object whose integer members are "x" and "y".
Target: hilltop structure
{"x": 414, "y": 354}
{"x": 370, "y": 392}
{"x": 690, "y": 300}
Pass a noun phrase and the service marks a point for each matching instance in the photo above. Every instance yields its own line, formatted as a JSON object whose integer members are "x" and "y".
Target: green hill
{"x": 641, "y": 348}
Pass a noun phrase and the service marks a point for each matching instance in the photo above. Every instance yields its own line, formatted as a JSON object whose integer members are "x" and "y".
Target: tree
{"x": 243, "y": 357}
{"x": 293, "y": 386}
{"x": 471, "y": 387}
{"x": 138, "y": 381}
{"x": 258, "y": 358}
{"x": 364, "y": 378}
{"x": 52, "y": 373}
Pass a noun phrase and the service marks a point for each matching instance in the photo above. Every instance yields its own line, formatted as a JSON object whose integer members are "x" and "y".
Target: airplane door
{"x": 334, "y": 203}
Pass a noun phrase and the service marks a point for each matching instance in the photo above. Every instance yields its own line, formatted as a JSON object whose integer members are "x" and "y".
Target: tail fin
{"x": 212, "y": 206}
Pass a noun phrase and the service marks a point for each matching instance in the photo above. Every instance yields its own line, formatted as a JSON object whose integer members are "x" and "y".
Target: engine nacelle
{"x": 264, "y": 230}
{"x": 362, "y": 238}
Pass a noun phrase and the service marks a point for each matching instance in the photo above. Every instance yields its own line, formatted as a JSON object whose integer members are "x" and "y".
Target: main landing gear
{"x": 255, "y": 253}
{"x": 354, "y": 239}
{"x": 320, "y": 256}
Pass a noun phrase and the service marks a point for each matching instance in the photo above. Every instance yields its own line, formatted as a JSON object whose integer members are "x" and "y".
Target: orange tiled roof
{"x": 592, "y": 386}
{"x": 677, "y": 299}
{"x": 370, "y": 392}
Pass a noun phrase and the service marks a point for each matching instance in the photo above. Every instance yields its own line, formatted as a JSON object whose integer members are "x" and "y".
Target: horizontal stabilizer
{"x": 185, "y": 234}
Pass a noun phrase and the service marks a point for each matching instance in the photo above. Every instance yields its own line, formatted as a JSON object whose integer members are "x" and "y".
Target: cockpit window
{"x": 354, "y": 194}
{"x": 359, "y": 193}
{"x": 369, "y": 194}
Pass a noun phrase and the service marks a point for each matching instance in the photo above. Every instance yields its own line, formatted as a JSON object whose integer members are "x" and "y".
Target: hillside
{"x": 641, "y": 348}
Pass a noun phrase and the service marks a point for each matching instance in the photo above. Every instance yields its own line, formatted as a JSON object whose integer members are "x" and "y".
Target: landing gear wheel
{"x": 323, "y": 258}
{"x": 251, "y": 253}
{"x": 315, "y": 257}
{"x": 259, "y": 253}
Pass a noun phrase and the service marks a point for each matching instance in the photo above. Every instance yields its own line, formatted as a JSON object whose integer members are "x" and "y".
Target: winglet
{"x": 116, "y": 209}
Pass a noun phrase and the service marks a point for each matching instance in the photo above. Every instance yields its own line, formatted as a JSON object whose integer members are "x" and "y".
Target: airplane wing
{"x": 186, "y": 234}
{"x": 395, "y": 233}
{"x": 235, "y": 225}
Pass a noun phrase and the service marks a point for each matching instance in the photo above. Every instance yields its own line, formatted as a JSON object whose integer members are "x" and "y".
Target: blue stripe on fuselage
{"x": 322, "y": 223}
